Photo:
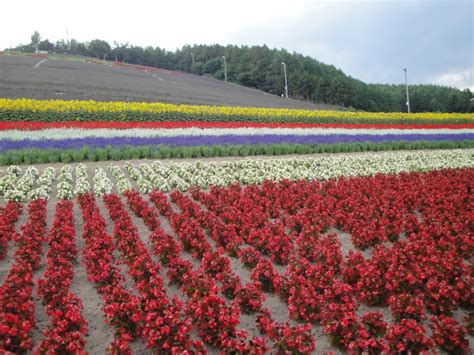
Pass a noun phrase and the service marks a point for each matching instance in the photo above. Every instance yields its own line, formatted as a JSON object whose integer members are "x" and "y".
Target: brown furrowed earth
{"x": 37, "y": 77}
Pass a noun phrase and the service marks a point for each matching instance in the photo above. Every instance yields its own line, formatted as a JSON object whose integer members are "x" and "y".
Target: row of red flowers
{"x": 165, "y": 327}
{"x": 17, "y": 312}
{"x": 8, "y": 217}
{"x": 121, "y": 308}
{"x": 21, "y": 125}
{"x": 426, "y": 272}
{"x": 68, "y": 326}
{"x": 201, "y": 288}
{"x": 216, "y": 322}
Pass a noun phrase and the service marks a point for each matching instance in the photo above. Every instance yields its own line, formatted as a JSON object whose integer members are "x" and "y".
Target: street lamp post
{"x": 406, "y": 86}
{"x": 286, "y": 79}
{"x": 192, "y": 62}
{"x": 225, "y": 68}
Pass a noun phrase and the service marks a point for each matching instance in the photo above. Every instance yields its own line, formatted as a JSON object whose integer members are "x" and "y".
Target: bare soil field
{"x": 37, "y": 78}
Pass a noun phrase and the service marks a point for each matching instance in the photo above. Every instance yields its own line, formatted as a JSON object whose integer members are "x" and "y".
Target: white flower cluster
{"x": 143, "y": 184}
{"x": 45, "y": 183}
{"x": 19, "y": 190}
{"x": 181, "y": 176}
{"x": 71, "y": 133}
{"x": 82, "y": 180}
{"x": 65, "y": 183}
{"x": 255, "y": 171}
{"x": 153, "y": 174}
{"x": 7, "y": 182}
{"x": 123, "y": 184}
{"x": 102, "y": 184}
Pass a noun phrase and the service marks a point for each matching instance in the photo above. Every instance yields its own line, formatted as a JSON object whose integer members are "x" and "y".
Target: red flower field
{"x": 363, "y": 265}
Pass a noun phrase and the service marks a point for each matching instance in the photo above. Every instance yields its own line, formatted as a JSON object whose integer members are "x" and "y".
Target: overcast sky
{"x": 368, "y": 40}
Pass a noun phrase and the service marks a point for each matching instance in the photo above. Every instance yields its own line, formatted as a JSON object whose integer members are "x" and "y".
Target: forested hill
{"x": 260, "y": 67}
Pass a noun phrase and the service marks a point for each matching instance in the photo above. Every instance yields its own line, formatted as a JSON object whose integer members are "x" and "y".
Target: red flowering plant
{"x": 215, "y": 321}
{"x": 294, "y": 340}
{"x": 407, "y": 306}
{"x": 8, "y": 216}
{"x": 17, "y": 316}
{"x": 371, "y": 333}
{"x": 250, "y": 298}
{"x": 372, "y": 283}
{"x": 173, "y": 334}
{"x": 29, "y": 242}
{"x": 121, "y": 308}
{"x": 408, "y": 336}
{"x": 266, "y": 274}
{"x": 288, "y": 339}
{"x": 178, "y": 269}
{"x": 214, "y": 263}
{"x": 198, "y": 285}
{"x": 165, "y": 247}
{"x": 449, "y": 335}
{"x": 161, "y": 202}
{"x": 142, "y": 209}
{"x": 250, "y": 257}
{"x": 230, "y": 284}
{"x": 68, "y": 327}
{"x": 352, "y": 266}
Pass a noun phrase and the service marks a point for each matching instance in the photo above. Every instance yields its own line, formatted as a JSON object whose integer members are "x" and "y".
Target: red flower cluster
{"x": 32, "y": 236}
{"x": 215, "y": 321}
{"x": 68, "y": 327}
{"x": 449, "y": 335}
{"x": 288, "y": 339}
{"x": 164, "y": 326}
{"x": 8, "y": 216}
{"x": 422, "y": 219}
{"x": 16, "y": 294}
{"x": 121, "y": 307}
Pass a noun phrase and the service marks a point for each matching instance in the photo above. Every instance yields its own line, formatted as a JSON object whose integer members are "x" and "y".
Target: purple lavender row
{"x": 77, "y": 143}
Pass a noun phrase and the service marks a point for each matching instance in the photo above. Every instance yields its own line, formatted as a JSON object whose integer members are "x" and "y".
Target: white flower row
{"x": 253, "y": 171}
{"x": 102, "y": 184}
{"x": 182, "y": 175}
{"x": 143, "y": 184}
{"x": 7, "y": 181}
{"x": 68, "y": 133}
{"x": 19, "y": 190}
{"x": 65, "y": 190}
{"x": 45, "y": 183}
{"x": 82, "y": 180}
{"x": 123, "y": 184}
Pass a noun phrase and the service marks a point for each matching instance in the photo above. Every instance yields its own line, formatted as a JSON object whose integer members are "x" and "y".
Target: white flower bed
{"x": 251, "y": 171}
{"x": 65, "y": 190}
{"x": 123, "y": 184}
{"x": 7, "y": 181}
{"x": 143, "y": 185}
{"x": 102, "y": 184}
{"x": 82, "y": 180}
{"x": 45, "y": 183}
{"x": 168, "y": 176}
{"x": 69, "y": 133}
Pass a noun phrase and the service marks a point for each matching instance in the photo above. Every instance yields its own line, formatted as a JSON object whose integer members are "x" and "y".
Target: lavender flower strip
{"x": 77, "y": 143}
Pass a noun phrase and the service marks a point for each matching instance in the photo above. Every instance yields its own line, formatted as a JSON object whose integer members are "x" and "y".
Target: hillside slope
{"x": 41, "y": 78}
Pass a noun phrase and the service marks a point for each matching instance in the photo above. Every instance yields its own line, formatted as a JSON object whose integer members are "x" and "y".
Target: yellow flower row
{"x": 95, "y": 106}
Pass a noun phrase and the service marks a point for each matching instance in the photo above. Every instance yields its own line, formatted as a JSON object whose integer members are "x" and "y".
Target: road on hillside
{"x": 40, "y": 78}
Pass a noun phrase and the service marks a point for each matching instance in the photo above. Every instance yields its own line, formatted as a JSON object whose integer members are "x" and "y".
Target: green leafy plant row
{"x": 39, "y": 156}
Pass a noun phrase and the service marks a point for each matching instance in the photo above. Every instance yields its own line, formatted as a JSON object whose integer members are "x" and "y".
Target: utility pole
{"x": 225, "y": 68}
{"x": 286, "y": 79}
{"x": 406, "y": 86}
{"x": 192, "y": 62}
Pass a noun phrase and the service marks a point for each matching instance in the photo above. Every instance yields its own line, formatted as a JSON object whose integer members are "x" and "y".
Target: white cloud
{"x": 460, "y": 79}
